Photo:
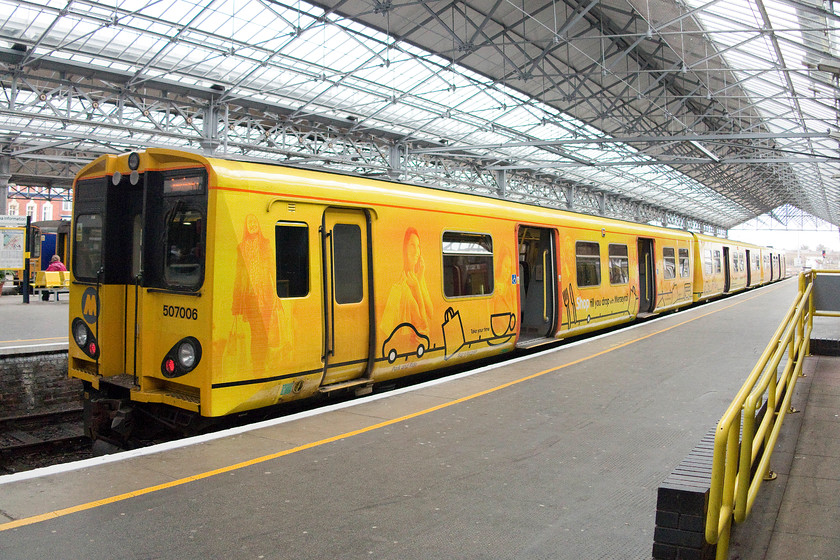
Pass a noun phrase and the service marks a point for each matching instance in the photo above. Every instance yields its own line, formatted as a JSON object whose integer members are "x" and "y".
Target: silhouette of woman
{"x": 409, "y": 300}
{"x": 254, "y": 295}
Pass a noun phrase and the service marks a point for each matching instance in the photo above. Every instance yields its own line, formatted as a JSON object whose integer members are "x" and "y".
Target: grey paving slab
{"x": 562, "y": 464}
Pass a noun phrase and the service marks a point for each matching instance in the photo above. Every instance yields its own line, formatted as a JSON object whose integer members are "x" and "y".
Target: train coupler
{"x": 107, "y": 418}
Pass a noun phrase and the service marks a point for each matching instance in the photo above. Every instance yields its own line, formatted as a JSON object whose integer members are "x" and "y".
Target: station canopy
{"x": 696, "y": 114}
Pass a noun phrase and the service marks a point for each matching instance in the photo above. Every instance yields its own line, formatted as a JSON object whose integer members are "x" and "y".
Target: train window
{"x": 670, "y": 270}
{"x": 588, "y": 263}
{"x": 619, "y": 264}
{"x": 292, "y": 258}
{"x": 707, "y": 262}
{"x": 717, "y": 262}
{"x": 347, "y": 263}
{"x": 87, "y": 256}
{"x": 685, "y": 268}
{"x": 467, "y": 264}
{"x": 185, "y": 256}
{"x": 742, "y": 262}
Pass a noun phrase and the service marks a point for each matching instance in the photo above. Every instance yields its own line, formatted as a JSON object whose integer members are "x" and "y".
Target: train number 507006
{"x": 180, "y": 312}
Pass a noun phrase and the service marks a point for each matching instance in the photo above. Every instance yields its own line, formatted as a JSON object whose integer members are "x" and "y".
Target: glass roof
{"x": 308, "y": 62}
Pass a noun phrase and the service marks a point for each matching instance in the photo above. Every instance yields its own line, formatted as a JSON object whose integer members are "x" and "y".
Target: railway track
{"x": 39, "y": 440}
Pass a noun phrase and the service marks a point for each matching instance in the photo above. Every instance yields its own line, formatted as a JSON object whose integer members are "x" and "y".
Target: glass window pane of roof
{"x": 286, "y": 56}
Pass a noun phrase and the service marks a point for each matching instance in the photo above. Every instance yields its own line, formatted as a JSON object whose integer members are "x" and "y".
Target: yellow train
{"x": 207, "y": 287}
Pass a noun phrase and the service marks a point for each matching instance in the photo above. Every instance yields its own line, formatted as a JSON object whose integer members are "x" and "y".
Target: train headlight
{"x": 181, "y": 358}
{"x": 186, "y": 354}
{"x": 133, "y": 161}
{"x": 84, "y": 338}
{"x": 80, "y": 334}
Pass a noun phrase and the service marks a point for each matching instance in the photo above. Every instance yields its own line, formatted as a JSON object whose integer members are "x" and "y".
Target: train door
{"x": 347, "y": 299}
{"x": 49, "y": 247}
{"x": 537, "y": 285}
{"x": 749, "y": 269}
{"x": 647, "y": 281}
{"x": 131, "y": 266}
{"x": 726, "y": 270}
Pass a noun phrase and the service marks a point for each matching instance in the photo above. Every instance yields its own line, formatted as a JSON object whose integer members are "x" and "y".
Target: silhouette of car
{"x": 404, "y": 332}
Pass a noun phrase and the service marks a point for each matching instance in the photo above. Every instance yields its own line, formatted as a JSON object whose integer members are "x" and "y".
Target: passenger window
{"x": 588, "y": 263}
{"x": 467, "y": 264}
{"x": 708, "y": 267}
{"x": 685, "y": 268}
{"x": 619, "y": 264}
{"x": 347, "y": 263}
{"x": 670, "y": 270}
{"x": 291, "y": 242}
{"x": 717, "y": 262}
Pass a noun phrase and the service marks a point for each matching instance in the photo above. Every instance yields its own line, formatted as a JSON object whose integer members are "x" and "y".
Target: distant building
{"x": 33, "y": 202}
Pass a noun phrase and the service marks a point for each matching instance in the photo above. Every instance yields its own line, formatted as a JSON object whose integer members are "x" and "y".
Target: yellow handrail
{"x": 739, "y": 443}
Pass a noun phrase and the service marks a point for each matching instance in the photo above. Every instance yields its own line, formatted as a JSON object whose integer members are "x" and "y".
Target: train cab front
{"x": 137, "y": 318}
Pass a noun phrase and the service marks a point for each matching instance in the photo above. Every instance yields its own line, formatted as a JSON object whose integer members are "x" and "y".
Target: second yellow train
{"x": 206, "y": 287}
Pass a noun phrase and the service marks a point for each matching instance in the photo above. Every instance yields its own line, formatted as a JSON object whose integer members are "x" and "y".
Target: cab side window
{"x": 292, "y": 259}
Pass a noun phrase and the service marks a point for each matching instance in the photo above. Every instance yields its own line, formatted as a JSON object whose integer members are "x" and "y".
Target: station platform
{"x": 35, "y": 326}
{"x": 554, "y": 455}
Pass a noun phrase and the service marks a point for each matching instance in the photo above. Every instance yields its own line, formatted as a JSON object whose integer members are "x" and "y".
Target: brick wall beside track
{"x": 37, "y": 383}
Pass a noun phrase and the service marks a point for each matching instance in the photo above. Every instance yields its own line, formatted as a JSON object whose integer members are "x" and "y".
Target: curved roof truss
{"x": 699, "y": 116}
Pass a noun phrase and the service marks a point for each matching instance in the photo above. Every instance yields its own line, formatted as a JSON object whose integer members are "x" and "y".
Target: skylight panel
{"x": 255, "y": 48}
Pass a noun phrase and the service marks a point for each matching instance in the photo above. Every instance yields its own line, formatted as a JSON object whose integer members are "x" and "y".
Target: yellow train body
{"x": 218, "y": 286}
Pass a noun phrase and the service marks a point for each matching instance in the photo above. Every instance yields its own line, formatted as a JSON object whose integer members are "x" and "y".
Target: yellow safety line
{"x": 113, "y": 499}
{"x": 34, "y": 339}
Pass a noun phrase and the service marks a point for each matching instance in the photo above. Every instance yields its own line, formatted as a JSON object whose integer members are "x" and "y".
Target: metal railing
{"x": 747, "y": 432}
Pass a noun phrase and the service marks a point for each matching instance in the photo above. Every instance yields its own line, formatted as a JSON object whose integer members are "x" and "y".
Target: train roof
{"x": 370, "y": 191}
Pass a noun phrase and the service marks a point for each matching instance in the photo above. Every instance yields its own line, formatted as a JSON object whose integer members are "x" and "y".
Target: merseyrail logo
{"x": 90, "y": 305}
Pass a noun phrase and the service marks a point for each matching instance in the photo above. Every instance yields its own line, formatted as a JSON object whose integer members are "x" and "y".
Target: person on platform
{"x": 55, "y": 266}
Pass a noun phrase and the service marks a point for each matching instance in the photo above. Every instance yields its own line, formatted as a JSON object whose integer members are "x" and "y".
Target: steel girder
{"x": 609, "y": 63}
{"x": 61, "y": 116}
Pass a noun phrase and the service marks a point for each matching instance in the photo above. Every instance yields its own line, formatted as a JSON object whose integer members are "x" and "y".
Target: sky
{"x": 788, "y": 239}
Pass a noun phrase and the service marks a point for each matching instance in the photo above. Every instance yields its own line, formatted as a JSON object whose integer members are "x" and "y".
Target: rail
{"x": 748, "y": 430}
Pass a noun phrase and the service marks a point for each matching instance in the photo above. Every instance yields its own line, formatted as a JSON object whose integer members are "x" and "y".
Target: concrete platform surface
{"x": 36, "y": 326}
{"x": 558, "y": 455}
{"x": 798, "y": 514}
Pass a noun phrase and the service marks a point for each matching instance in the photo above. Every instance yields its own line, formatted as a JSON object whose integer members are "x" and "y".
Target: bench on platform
{"x": 51, "y": 281}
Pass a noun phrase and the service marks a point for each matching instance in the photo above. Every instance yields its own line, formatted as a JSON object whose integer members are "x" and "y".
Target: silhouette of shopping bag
{"x": 453, "y": 332}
